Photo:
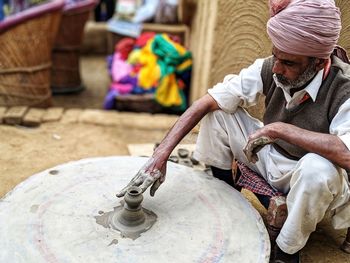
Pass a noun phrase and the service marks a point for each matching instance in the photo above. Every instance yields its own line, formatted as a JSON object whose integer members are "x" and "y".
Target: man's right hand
{"x": 150, "y": 174}
{"x": 153, "y": 172}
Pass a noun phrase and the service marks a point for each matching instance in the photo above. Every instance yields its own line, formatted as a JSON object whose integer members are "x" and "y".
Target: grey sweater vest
{"x": 313, "y": 116}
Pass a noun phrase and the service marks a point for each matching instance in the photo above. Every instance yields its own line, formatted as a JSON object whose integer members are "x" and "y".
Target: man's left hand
{"x": 257, "y": 140}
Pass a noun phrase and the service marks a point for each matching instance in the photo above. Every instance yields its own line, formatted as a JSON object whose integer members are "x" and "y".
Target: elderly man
{"x": 306, "y": 125}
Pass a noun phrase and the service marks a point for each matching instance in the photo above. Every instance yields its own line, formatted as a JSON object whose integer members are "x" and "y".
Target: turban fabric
{"x": 304, "y": 27}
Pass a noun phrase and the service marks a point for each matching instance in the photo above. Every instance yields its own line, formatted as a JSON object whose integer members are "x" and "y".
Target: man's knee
{"x": 218, "y": 116}
{"x": 216, "y": 125}
{"x": 316, "y": 171}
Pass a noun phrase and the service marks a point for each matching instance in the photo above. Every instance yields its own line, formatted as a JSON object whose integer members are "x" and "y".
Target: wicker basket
{"x": 26, "y": 40}
{"x": 66, "y": 52}
{"x": 138, "y": 103}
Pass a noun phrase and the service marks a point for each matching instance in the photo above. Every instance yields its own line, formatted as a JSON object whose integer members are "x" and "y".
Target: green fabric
{"x": 168, "y": 57}
{"x": 168, "y": 60}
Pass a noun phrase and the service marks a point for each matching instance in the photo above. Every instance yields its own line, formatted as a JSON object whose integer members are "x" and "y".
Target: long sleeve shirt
{"x": 244, "y": 90}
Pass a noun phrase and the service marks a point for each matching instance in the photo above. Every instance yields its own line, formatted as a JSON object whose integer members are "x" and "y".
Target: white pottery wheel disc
{"x": 50, "y": 217}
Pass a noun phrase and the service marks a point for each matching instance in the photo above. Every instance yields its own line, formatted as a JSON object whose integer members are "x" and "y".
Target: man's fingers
{"x": 144, "y": 180}
{"x": 138, "y": 181}
{"x": 248, "y": 151}
{"x": 155, "y": 187}
{"x": 254, "y": 146}
{"x": 147, "y": 182}
{"x": 135, "y": 181}
{"x": 151, "y": 178}
{"x": 122, "y": 192}
{"x": 251, "y": 151}
{"x": 254, "y": 158}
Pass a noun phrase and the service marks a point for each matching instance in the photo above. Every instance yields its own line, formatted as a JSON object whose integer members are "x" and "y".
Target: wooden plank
{"x": 186, "y": 10}
{"x": 52, "y": 114}
{"x": 180, "y": 30}
{"x": 159, "y": 28}
{"x": 2, "y": 113}
{"x": 15, "y": 115}
{"x": 33, "y": 117}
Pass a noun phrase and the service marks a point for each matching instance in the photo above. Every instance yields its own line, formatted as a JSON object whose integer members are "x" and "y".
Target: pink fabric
{"x": 121, "y": 88}
{"x": 304, "y": 27}
{"x": 120, "y": 68}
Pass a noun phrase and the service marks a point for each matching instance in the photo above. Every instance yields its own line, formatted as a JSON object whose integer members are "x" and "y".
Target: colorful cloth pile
{"x": 153, "y": 63}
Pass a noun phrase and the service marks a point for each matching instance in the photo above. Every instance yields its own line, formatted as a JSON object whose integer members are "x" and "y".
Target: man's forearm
{"x": 185, "y": 124}
{"x": 329, "y": 146}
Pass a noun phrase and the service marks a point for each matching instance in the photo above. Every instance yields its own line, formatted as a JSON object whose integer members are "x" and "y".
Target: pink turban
{"x": 304, "y": 27}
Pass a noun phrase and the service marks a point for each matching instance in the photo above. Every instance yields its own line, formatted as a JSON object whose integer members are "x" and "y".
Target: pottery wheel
{"x": 51, "y": 217}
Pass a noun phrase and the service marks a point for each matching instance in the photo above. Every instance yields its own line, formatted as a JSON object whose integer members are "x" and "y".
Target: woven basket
{"x": 26, "y": 40}
{"x": 138, "y": 103}
{"x": 66, "y": 52}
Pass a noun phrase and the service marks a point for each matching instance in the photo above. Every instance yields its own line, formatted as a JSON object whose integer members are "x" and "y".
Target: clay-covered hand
{"x": 148, "y": 175}
{"x": 254, "y": 146}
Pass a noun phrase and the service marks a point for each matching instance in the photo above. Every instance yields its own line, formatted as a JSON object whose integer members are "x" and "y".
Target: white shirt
{"x": 245, "y": 89}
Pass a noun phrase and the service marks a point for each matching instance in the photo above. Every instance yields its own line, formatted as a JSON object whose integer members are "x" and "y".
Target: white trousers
{"x": 314, "y": 184}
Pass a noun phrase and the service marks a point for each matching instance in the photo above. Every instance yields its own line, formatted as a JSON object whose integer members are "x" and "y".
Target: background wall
{"x": 344, "y": 40}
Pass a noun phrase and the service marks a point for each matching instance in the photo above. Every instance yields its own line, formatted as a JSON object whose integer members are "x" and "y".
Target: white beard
{"x": 304, "y": 78}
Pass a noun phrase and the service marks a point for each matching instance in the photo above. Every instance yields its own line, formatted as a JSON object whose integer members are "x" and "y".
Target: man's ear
{"x": 320, "y": 63}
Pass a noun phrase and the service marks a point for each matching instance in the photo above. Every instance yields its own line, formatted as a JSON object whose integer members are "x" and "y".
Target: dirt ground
{"x": 26, "y": 151}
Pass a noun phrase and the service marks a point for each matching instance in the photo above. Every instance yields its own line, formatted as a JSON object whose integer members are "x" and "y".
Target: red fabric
{"x": 326, "y": 69}
{"x": 275, "y": 6}
{"x": 175, "y": 38}
{"x": 254, "y": 182}
{"x": 124, "y": 47}
{"x": 141, "y": 41}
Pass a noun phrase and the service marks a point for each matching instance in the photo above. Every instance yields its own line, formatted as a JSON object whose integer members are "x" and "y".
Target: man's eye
{"x": 274, "y": 59}
{"x": 288, "y": 63}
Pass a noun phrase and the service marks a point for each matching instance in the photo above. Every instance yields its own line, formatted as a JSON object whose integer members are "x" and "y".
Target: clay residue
{"x": 34, "y": 208}
{"x": 53, "y": 172}
{"x": 114, "y": 242}
{"x": 108, "y": 220}
{"x": 103, "y": 219}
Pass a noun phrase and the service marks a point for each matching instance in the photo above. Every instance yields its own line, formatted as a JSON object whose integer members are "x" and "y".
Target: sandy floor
{"x": 26, "y": 151}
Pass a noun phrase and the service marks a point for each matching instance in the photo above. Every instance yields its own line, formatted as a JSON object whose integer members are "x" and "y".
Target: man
{"x": 306, "y": 123}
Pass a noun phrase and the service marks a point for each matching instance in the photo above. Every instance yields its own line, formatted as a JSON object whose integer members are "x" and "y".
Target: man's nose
{"x": 278, "y": 67}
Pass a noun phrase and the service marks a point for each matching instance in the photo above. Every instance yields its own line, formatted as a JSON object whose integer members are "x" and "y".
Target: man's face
{"x": 292, "y": 71}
